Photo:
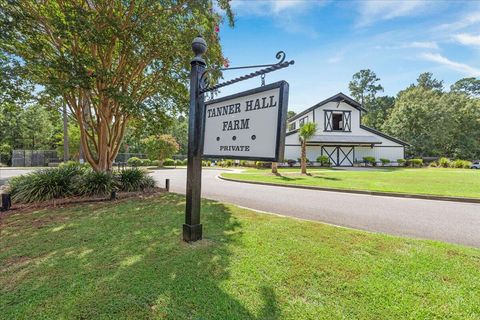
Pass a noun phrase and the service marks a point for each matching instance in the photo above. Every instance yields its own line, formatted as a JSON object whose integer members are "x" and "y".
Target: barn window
{"x": 337, "y": 120}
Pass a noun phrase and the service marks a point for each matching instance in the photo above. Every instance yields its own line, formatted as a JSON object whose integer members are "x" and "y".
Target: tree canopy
{"x": 469, "y": 86}
{"x": 364, "y": 86}
{"x": 110, "y": 60}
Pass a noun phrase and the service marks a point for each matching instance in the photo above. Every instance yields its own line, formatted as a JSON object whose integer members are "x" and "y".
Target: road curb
{"x": 371, "y": 193}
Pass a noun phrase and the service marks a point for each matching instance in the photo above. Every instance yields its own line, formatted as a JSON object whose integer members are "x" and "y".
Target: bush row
{"x": 137, "y": 162}
{"x": 447, "y": 163}
{"x": 69, "y": 180}
{"x": 170, "y": 162}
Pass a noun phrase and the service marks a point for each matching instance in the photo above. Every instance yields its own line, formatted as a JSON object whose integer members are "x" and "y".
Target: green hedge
{"x": 134, "y": 162}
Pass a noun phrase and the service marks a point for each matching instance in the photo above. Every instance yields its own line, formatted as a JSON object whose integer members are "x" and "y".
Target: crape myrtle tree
{"x": 110, "y": 60}
{"x": 160, "y": 147}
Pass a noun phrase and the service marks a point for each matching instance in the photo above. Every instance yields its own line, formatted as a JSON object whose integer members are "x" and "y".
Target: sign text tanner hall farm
{"x": 247, "y": 125}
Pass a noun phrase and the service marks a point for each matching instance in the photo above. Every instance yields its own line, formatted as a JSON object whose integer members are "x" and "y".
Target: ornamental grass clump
{"x": 444, "y": 162}
{"x": 66, "y": 181}
{"x": 134, "y": 179}
{"x": 92, "y": 183}
{"x": 44, "y": 184}
{"x": 460, "y": 164}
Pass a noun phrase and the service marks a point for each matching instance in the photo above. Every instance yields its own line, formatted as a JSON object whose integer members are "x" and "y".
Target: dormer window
{"x": 337, "y": 120}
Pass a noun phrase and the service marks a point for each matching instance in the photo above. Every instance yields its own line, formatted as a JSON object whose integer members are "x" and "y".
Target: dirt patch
{"x": 13, "y": 262}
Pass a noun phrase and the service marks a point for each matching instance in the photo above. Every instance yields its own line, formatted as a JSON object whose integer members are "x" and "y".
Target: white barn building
{"x": 340, "y": 134}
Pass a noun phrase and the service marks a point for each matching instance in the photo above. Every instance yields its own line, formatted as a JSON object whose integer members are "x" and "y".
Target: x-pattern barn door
{"x": 339, "y": 156}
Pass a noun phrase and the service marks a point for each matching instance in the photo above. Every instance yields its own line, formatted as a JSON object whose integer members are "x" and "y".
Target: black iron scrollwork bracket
{"x": 205, "y": 87}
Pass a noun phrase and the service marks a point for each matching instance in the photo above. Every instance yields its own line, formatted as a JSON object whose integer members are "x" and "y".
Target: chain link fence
{"x": 42, "y": 158}
{"x": 34, "y": 158}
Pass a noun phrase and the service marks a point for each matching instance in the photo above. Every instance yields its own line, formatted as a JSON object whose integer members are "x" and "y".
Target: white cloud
{"x": 269, "y": 7}
{"x": 371, "y": 10}
{"x": 464, "y": 22}
{"x": 457, "y": 66}
{"x": 287, "y": 14}
{"x": 336, "y": 58}
{"x": 422, "y": 44}
{"x": 467, "y": 39}
{"x": 412, "y": 45}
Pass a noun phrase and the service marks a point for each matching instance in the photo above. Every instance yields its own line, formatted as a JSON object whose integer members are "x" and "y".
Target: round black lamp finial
{"x": 199, "y": 46}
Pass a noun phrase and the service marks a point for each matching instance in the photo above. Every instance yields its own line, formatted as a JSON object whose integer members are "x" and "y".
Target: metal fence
{"x": 33, "y": 158}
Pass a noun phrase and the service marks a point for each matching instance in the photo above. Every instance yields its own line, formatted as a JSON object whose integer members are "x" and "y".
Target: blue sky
{"x": 331, "y": 40}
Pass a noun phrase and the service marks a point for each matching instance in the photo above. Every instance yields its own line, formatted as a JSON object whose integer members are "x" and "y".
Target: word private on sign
{"x": 248, "y": 125}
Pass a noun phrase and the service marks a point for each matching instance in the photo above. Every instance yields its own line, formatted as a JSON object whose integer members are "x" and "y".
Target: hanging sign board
{"x": 249, "y": 125}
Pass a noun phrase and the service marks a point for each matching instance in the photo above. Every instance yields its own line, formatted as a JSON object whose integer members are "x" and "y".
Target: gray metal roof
{"x": 347, "y": 139}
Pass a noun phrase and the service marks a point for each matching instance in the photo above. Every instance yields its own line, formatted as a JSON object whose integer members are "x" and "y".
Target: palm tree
{"x": 274, "y": 167}
{"x": 307, "y": 131}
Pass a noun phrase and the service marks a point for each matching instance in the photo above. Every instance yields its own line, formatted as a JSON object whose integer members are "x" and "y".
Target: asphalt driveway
{"x": 454, "y": 222}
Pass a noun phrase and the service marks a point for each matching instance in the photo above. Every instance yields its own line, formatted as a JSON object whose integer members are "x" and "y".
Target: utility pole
{"x": 192, "y": 229}
{"x": 66, "y": 155}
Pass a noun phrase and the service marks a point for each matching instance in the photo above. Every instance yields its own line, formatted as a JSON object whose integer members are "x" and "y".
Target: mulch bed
{"x": 71, "y": 201}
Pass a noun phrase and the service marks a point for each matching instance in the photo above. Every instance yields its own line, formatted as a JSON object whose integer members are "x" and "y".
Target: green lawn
{"x": 433, "y": 181}
{"x": 126, "y": 260}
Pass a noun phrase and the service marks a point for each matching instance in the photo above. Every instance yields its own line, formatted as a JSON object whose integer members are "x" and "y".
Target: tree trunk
{"x": 274, "y": 167}
{"x": 101, "y": 132}
{"x": 303, "y": 160}
{"x": 66, "y": 155}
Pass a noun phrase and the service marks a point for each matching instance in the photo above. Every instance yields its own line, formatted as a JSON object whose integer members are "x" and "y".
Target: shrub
{"x": 384, "y": 161}
{"x": 228, "y": 163}
{"x": 467, "y": 164}
{"x": 401, "y": 162}
{"x": 259, "y": 164}
{"x": 415, "y": 163}
{"x": 146, "y": 162}
{"x": 444, "y": 162}
{"x": 460, "y": 164}
{"x": 44, "y": 184}
{"x": 147, "y": 182}
{"x": 134, "y": 180}
{"x": 243, "y": 163}
{"x": 324, "y": 160}
{"x": 74, "y": 164}
{"x": 433, "y": 164}
{"x": 156, "y": 163}
{"x": 209, "y": 163}
{"x": 291, "y": 162}
{"x": 134, "y": 162}
{"x": 92, "y": 183}
{"x": 169, "y": 162}
{"x": 370, "y": 160}
{"x": 184, "y": 162}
